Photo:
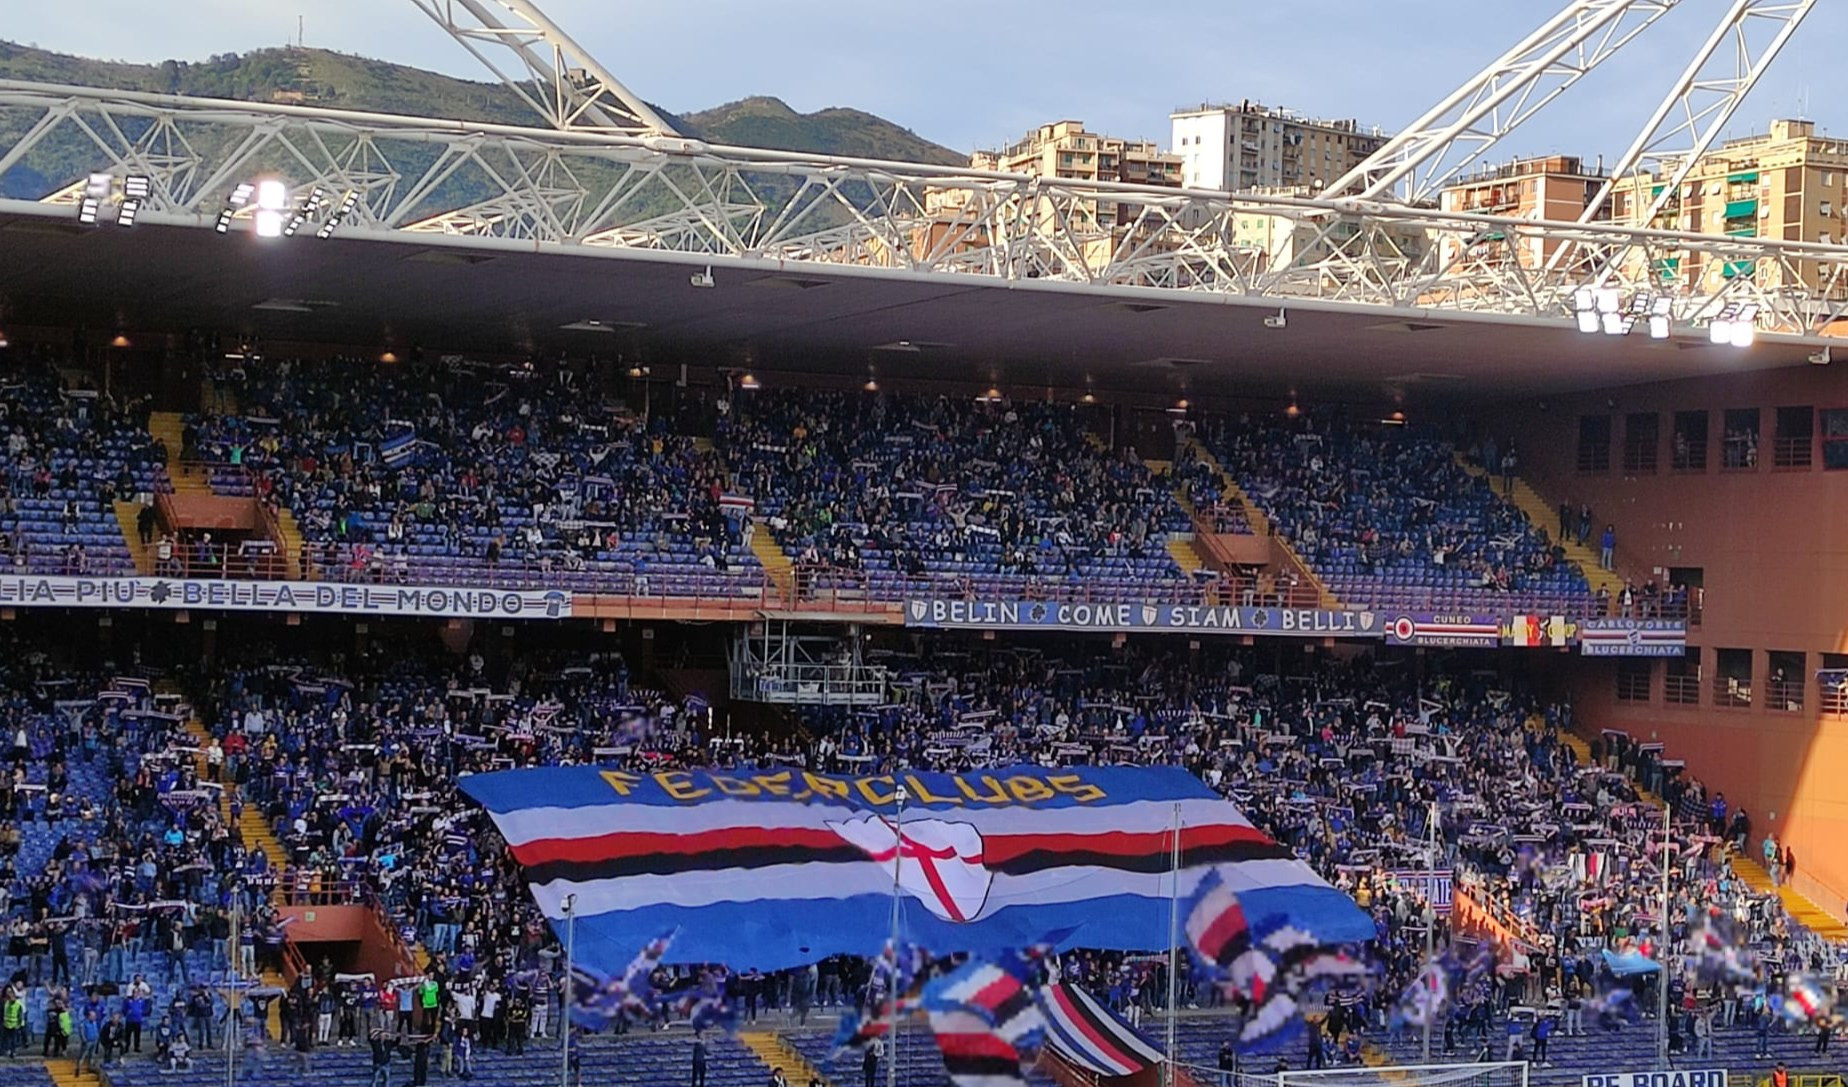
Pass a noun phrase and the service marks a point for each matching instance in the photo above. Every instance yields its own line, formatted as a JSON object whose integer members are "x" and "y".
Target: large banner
{"x": 1193, "y": 618}
{"x": 1436, "y": 887}
{"x": 1633, "y": 637}
{"x": 780, "y": 868}
{"x": 283, "y": 596}
{"x": 1453, "y": 630}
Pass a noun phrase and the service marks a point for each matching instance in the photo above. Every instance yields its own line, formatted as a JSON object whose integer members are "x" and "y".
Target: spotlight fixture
{"x": 138, "y": 187}
{"x": 223, "y": 225}
{"x": 1661, "y": 312}
{"x": 86, "y": 211}
{"x": 1585, "y": 306}
{"x": 747, "y": 382}
{"x": 1736, "y": 325}
{"x": 242, "y": 194}
{"x": 125, "y": 215}
{"x": 97, "y": 188}
{"x": 272, "y": 196}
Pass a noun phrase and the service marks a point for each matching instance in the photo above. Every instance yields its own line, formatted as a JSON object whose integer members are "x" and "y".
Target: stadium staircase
{"x": 63, "y": 1073}
{"x": 126, "y": 514}
{"x": 1261, "y": 525}
{"x": 169, "y": 427}
{"x": 1185, "y": 555}
{"x": 774, "y": 560}
{"x": 256, "y": 832}
{"x": 289, "y": 539}
{"x": 1545, "y": 514}
{"x": 780, "y": 1056}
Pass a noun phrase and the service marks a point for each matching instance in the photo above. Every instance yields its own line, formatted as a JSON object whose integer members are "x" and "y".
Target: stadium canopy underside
{"x": 493, "y": 238}
{"x": 445, "y": 296}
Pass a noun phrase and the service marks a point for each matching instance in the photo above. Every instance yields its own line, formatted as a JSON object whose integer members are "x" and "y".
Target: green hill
{"x": 337, "y": 80}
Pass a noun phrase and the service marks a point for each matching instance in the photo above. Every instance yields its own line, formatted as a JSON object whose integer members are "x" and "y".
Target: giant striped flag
{"x": 777, "y": 868}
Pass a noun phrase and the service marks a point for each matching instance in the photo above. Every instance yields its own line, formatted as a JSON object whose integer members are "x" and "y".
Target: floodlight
{"x": 1719, "y": 331}
{"x": 1614, "y": 324}
{"x": 1609, "y": 301}
{"x": 272, "y": 194}
{"x": 1658, "y": 327}
{"x": 1588, "y": 320}
{"x": 98, "y": 186}
{"x": 223, "y": 225}
{"x": 242, "y": 194}
{"x": 125, "y": 216}
{"x": 86, "y": 211}
{"x": 295, "y": 224}
{"x": 138, "y": 187}
{"x": 269, "y": 223}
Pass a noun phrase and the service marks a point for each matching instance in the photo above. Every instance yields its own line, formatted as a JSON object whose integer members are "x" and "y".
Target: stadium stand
{"x": 462, "y": 473}
{"x": 71, "y": 454}
{"x": 1388, "y": 518}
{"x": 352, "y": 765}
{"x": 902, "y": 496}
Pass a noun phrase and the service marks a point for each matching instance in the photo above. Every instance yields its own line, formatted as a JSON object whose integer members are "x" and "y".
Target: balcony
{"x": 1732, "y": 692}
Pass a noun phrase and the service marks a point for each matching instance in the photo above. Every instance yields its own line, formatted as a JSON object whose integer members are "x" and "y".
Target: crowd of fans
{"x": 1389, "y": 517}
{"x": 938, "y": 495}
{"x": 496, "y": 475}
{"x": 124, "y": 873}
{"x": 69, "y": 453}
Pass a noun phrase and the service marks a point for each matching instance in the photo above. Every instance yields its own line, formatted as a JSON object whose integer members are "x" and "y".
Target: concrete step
{"x": 1185, "y": 555}
{"x": 126, "y": 515}
{"x": 781, "y": 1056}
{"x": 169, "y": 426}
{"x": 1260, "y": 524}
{"x": 774, "y": 560}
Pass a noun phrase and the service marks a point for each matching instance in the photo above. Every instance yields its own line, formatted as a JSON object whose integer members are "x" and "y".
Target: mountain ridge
{"x": 348, "y": 81}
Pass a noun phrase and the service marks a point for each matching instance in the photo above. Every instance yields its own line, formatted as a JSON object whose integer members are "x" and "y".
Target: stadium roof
{"x": 445, "y": 297}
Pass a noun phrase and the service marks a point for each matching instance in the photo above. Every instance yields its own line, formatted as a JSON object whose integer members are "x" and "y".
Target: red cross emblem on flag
{"x": 938, "y": 862}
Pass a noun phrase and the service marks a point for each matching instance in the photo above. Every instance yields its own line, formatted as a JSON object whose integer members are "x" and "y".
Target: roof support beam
{"x": 1467, "y": 124}
{"x": 557, "y": 77}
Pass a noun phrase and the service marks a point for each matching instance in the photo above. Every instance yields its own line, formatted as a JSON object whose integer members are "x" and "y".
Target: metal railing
{"x": 1682, "y": 690}
{"x": 1732, "y": 692}
{"x": 1785, "y": 695}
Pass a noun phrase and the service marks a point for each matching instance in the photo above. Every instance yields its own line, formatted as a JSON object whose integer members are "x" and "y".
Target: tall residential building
{"x": 1237, "y": 148}
{"x": 1788, "y": 183}
{"x": 1556, "y": 187}
{"x": 1064, "y": 149}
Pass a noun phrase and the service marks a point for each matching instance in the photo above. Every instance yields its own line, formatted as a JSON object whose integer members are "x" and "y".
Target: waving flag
{"x": 777, "y": 869}
{"x": 1091, "y": 1036}
{"x": 1273, "y": 962}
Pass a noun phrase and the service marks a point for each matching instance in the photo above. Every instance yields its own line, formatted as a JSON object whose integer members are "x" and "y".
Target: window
{"x": 1594, "y": 444}
{"x": 1633, "y": 679}
{"x": 1732, "y": 678}
{"x": 1835, "y": 439}
{"x": 1681, "y": 680}
{"x": 1690, "y": 442}
{"x": 1832, "y": 685}
{"x": 1784, "y": 687}
{"x": 1795, "y": 442}
{"x": 1642, "y": 435}
{"x": 1739, "y": 445}
{"x": 1827, "y": 209}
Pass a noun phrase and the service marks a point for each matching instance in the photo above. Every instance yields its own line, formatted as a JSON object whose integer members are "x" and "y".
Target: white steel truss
{"x": 1697, "y": 107}
{"x": 558, "y": 78}
{"x": 497, "y": 187}
{"x": 1467, "y": 124}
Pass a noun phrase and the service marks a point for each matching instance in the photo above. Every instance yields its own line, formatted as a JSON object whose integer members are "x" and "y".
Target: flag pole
{"x": 1174, "y": 924}
{"x": 898, "y": 862}
{"x": 568, "y": 997}
{"x": 1662, "y": 947}
{"x": 1430, "y": 923}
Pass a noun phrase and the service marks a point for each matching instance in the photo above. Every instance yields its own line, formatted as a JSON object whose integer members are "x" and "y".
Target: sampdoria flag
{"x": 397, "y": 449}
{"x": 737, "y": 503}
{"x": 780, "y": 868}
{"x": 974, "y": 1054}
{"x": 1090, "y": 1035}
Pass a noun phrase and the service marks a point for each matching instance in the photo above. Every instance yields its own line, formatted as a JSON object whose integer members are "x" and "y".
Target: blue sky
{"x": 968, "y": 77}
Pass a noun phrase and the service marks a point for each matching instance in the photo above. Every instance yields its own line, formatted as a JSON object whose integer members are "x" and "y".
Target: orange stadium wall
{"x": 1772, "y": 545}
